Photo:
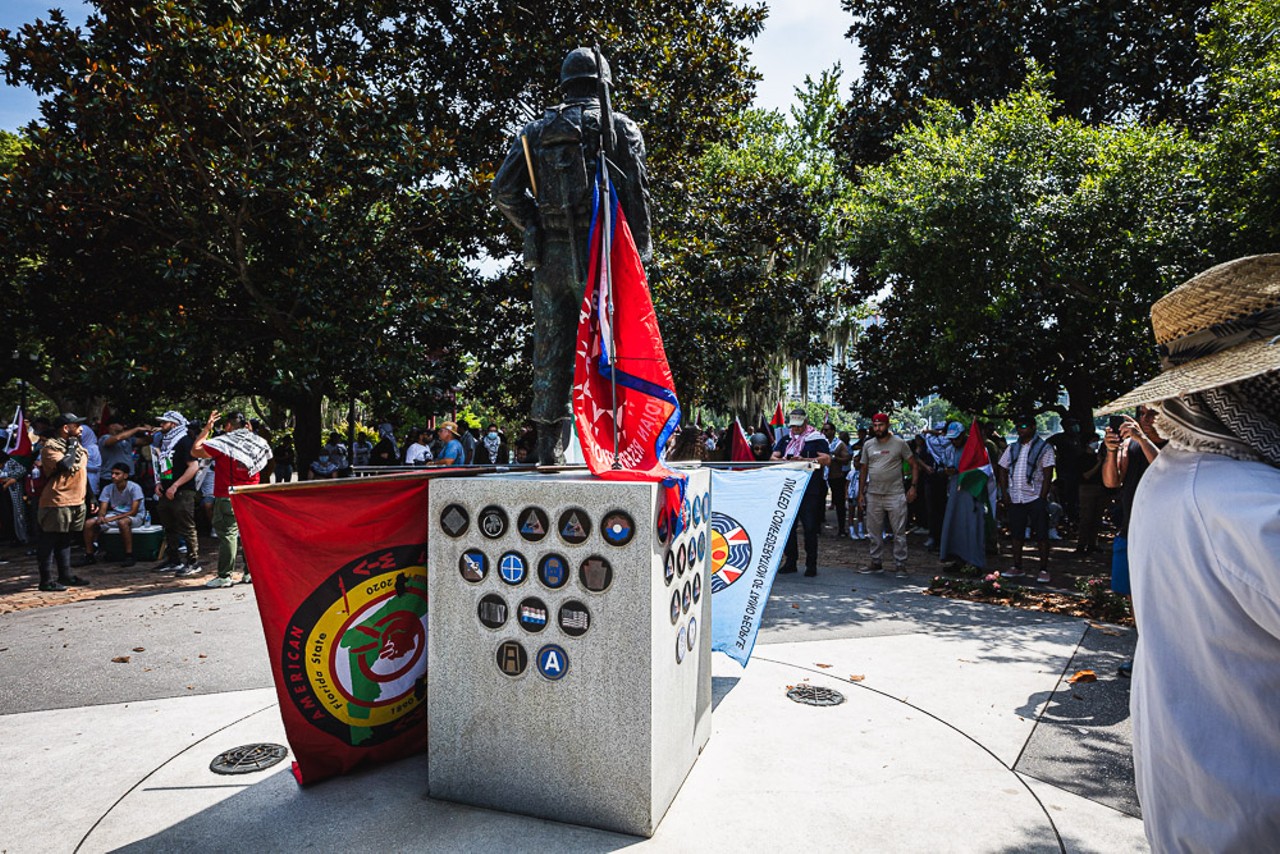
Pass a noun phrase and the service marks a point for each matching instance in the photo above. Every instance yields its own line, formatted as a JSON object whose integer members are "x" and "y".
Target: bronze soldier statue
{"x": 544, "y": 187}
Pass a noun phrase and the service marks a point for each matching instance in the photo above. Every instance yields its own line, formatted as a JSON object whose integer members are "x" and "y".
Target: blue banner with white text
{"x": 751, "y": 516}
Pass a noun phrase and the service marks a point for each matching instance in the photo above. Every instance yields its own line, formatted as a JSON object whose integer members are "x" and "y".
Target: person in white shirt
{"x": 119, "y": 509}
{"x": 1204, "y": 560}
{"x": 418, "y": 453}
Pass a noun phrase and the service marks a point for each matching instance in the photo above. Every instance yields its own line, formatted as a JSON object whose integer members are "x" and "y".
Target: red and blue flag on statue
{"x": 620, "y": 346}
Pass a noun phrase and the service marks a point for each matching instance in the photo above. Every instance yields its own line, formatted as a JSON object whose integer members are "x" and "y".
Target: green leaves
{"x": 1021, "y": 253}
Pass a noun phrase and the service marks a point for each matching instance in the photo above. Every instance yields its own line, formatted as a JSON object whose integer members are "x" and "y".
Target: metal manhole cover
{"x": 247, "y": 759}
{"x": 812, "y": 695}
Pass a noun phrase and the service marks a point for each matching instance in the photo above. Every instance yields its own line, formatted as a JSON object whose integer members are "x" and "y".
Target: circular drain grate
{"x": 247, "y": 759}
{"x": 812, "y": 695}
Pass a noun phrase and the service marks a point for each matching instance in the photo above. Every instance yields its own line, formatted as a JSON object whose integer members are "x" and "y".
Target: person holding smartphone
{"x": 1132, "y": 446}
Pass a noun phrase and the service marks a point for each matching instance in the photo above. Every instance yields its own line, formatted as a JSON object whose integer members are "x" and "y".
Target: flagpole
{"x": 607, "y": 274}
{"x": 607, "y": 142}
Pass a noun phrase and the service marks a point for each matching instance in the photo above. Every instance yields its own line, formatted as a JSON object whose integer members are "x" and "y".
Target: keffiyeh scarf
{"x": 1240, "y": 420}
{"x": 795, "y": 445}
{"x": 245, "y": 447}
{"x": 176, "y": 433}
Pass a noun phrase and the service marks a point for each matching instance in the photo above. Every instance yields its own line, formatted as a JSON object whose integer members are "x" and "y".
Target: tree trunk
{"x": 306, "y": 432}
{"x": 1080, "y": 390}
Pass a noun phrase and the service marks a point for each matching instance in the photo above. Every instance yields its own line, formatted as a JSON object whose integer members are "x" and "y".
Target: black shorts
{"x": 1035, "y": 514}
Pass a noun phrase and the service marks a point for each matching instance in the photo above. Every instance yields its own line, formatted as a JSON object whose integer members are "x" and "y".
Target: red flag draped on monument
{"x": 339, "y": 572}
{"x": 620, "y": 349}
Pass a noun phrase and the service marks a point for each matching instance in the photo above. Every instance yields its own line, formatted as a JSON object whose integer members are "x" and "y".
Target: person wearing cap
{"x": 61, "y": 514}
{"x": 945, "y": 457}
{"x": 1025, "y": 474}
{"x": 1204, "y": 554}
{"x": 805, "y": 443}
{"x": 451, "y": 451}
{"x": 880, "y": 493}
{"x": 176, "y": 490}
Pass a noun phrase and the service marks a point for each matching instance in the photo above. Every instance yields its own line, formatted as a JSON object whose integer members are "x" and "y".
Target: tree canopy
{"x": 1110, "y": 60}
{"x": 1017, "y": 254}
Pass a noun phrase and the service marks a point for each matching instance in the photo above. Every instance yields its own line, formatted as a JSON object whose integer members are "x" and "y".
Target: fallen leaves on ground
{"x": 857, "y": 677}
{"x": 139, "y": 649}
{"x": 1083, "y": 676}
{"x": 823, "y": 666}
{"x": 121, "y": 659}
{"x": 1107, "y": 630}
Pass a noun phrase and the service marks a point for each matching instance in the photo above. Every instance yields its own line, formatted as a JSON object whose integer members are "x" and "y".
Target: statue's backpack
{"x": 564, "y": 182}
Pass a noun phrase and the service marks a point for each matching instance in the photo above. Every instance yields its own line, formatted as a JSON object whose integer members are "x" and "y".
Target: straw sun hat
{"x": 1220, "y": 327}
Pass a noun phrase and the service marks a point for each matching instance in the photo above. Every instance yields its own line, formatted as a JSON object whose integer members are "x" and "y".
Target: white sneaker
{"x": 219, "y": 582}
{"x": 246, "y": 579}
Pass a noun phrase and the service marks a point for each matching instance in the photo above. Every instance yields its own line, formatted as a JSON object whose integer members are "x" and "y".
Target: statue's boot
{"x": 553, "y": 439}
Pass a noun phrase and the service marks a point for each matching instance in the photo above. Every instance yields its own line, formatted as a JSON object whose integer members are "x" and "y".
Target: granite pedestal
{"x": 570, "y": 647}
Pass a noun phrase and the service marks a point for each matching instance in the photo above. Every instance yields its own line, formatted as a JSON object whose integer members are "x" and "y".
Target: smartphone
{"x": 1115, "y": 423}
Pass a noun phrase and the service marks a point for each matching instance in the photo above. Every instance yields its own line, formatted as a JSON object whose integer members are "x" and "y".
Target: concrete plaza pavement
{"x": 959, "y": 733}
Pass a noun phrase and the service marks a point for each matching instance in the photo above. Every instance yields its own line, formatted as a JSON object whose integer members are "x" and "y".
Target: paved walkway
{"x": 959, "y": 733}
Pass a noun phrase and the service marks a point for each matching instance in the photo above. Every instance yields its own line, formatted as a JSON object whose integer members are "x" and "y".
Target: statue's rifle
{"x": 608, "y": 142}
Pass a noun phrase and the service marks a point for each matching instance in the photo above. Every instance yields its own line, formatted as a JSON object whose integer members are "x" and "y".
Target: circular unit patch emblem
{"x": 553, "y": 662}
{"x": 664, "y": 527}
{"x": 682, "y": 560}
{"x": 595, "y": 574}
{"x": 702, "y": 546}
{"x": 574, "y": 526}
{"x": 693, "y": 632}
{"x": 617, "y": 528}
{"x": 532, "y": 524}
{"x": 686, "y": 597}
{"x": 355, "y": 650}
{"x": 553, "y": 571}
{"x": 675, "y": 607}
{"x": 473, "y": 565}
{"x": 697, "y": 588}
{"x": 574, "y": 618}
{"x": 454, "y": 520}
{"x": 512, "y": 659}
{"x": 668, "y": 567}
{"x": 730, "y": 551}
{"x": 706, "y": 506}
{"x": 493, "y": 521}
{"x": 492, "y": 611}
{"x": 532, "y": 614}
{"x": 682, "y": 644}
{"x": 513, "y": 568}
{"x": 697, "y": 513}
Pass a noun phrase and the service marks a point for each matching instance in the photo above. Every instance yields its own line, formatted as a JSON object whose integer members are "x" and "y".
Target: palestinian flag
{"x": 778, "y": 423}
{"x": 975, "y": 464}
{"x": 18, "y": 443}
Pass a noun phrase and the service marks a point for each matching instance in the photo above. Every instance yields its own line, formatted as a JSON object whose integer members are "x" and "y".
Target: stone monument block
{"x": 570, "y": 647}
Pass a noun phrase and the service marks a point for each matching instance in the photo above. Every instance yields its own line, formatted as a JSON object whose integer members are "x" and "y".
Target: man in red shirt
{"x": 239, "y": 455}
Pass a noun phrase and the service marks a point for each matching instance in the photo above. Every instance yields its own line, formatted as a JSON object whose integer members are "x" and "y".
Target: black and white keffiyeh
{"x": 492, "y": 442}
{"x": 1240, "y": 420}
{"x": 176, "y": 433}
{"x": 245, "y": 447}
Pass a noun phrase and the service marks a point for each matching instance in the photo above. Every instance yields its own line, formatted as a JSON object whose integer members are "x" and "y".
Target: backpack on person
{"x": 1035, "y": 447}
